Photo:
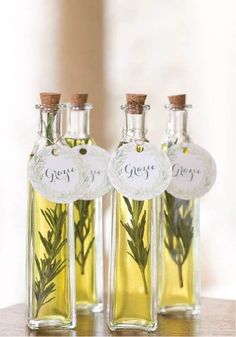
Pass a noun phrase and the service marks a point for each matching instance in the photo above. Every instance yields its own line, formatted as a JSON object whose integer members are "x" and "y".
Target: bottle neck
{"x": 177, "y": 125}
{"x": 78, "y": 123}
{"x": 135, "y": 126}
{"x": 50, "y": 124}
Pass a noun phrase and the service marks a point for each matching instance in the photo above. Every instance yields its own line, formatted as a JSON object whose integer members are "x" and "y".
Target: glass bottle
{"x": 132, "y": 283}
{"x": 50, "y": 251}
{"x": 87, "y": 218}
{"x": 179, "y": 270}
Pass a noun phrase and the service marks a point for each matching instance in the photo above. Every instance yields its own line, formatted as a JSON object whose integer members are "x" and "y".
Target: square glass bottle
{"x": 132, "y": 264}
{"x": 87, "y": 218}
{"x": 179, "y": 270}
{"x": 50, "y": 245}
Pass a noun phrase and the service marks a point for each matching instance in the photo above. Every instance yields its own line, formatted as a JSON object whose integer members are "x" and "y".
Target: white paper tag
{"x": 193, "y": 171}
{"x": 55, "y": 172}
{"x": 139, "y": 175}
{"x": 95, "y": 178}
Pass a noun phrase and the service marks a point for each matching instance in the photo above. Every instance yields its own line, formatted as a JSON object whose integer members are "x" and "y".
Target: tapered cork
{"x": 138, "y": 99}
{"x": 135, "y": 103}
{"x": 50, "y": 98}
{"x": 79, "y": 99}
{"x": 178, "y": 101}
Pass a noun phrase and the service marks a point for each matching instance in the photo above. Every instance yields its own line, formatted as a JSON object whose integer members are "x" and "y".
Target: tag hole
{"x": 139, "y": 148}
{"x": 185, "y": 150}
{"x": 83, "y": 151}
{"x": 54, "y": 152}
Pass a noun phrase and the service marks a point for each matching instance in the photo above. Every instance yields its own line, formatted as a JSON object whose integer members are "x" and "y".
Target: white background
{"x": 108, "y": 48}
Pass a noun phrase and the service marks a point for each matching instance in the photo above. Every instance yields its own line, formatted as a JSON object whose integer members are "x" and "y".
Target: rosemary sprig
{"x": 179, "y": 231}
{"x": 135, "y": 230}
{"x": 49, "y": 127}
{"x": 82, "y": 230}
{"x": 50, "y": 265}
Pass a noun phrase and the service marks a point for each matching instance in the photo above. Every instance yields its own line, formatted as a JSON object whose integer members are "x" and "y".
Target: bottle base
{"x": 132, "y": 325}
{"x": 51, "y": 324}
{"x": 88, "y": 308}
{"x": 180, "y": 310}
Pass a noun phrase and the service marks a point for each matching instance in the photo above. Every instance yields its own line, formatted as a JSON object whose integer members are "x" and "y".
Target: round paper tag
{"x": 193, "y": 171}
{"x": 95, "y": 179}
{"x": 139, "y": 172}
{"x": 55, "y": 172}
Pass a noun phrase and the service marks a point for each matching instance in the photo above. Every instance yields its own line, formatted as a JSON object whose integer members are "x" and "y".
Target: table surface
{"x": 218, "y": 318}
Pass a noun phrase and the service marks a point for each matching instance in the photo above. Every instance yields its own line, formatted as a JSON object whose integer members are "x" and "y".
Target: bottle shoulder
{"x": 171, "y": 140}
{"x": 127, "y": 141}
{"x": 42, "y": 142}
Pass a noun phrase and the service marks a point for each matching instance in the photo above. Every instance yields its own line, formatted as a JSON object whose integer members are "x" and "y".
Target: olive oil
{"x": 132, "y": 287}
{"x": 84, "y": 214}
{"x": 179, "y": 264}
{"x": 52, "y": 296}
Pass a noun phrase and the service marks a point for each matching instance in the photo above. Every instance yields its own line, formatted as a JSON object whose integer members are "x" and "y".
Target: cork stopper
{"x": 50, "y": 98}
{"x": 135, "y": 102}
{"x": 178, "y": 101}
{"x": 79, "y": 99}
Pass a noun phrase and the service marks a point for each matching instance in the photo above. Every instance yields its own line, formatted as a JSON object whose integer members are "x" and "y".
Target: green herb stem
{"x": 144, "y": 282}
{"x": 180, "y": 271}
{"x": 83, "y": 228}
{"x": 49, "y": 128}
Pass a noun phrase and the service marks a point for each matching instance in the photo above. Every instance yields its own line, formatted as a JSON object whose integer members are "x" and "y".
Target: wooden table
{"x": 218, "y": 318}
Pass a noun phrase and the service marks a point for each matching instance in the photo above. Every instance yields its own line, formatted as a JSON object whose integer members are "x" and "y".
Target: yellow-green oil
{"x": 177, "y": 288}
{"x": 132, "y": 302}
{"x": 85, "y": 266}
{"x": 57, "y": 305}
{"x": 171, "y": 292}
